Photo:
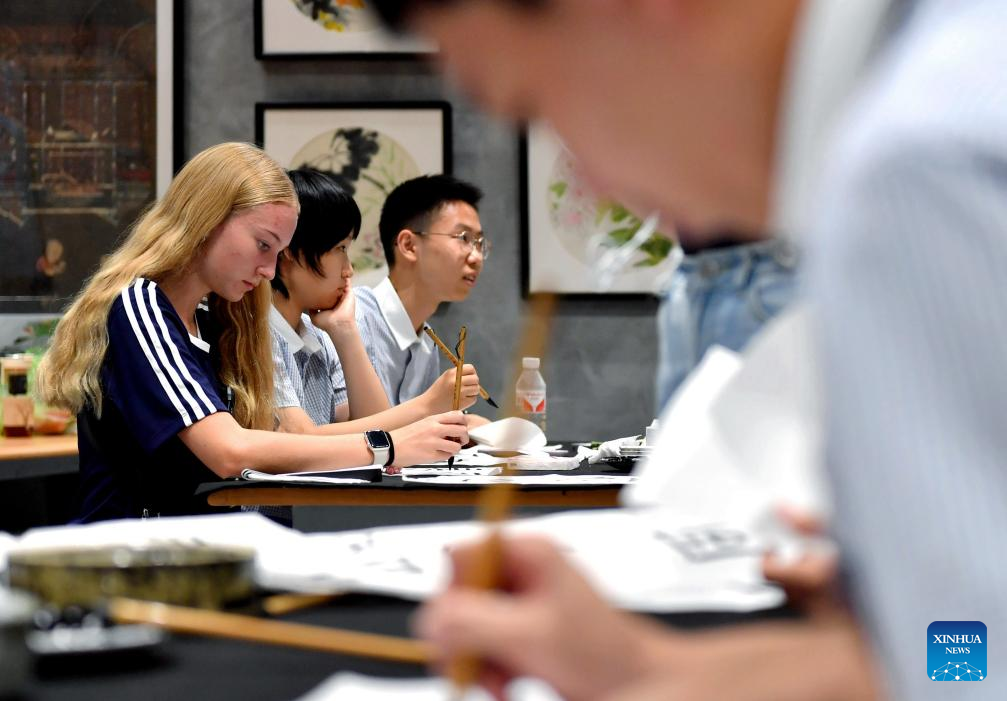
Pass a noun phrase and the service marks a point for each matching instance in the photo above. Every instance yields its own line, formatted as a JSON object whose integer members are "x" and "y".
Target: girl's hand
{"x": 340, "y": 322}
{"x": 432, "y": 439}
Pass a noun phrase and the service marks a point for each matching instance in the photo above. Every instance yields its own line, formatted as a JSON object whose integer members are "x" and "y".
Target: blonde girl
{"x": 165, "y": 354}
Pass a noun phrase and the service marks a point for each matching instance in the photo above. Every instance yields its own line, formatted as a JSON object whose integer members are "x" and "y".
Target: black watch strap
{"x": 391, "y": 450}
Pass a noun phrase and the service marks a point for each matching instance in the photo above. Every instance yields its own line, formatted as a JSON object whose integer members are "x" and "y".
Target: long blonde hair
{"x": 165, "y": 240}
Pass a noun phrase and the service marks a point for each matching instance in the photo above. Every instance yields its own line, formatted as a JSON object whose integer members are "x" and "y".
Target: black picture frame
{"x": 404, "y": 139}
{"x": 295, "y": 38}
{"x": 130, "y": 132}
{"x": 560, "y": 265}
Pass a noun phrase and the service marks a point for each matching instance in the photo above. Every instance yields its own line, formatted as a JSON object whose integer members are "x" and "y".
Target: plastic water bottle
{"x": 530, "y": 390}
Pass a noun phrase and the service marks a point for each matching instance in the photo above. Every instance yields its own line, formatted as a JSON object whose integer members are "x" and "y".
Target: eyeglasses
{"x": 471, "y": 241}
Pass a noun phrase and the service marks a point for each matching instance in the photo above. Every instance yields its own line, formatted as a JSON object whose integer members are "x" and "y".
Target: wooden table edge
{"x": 38, "y": 447}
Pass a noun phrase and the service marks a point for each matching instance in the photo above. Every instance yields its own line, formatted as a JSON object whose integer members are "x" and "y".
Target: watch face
{"x": 377, "y": 439}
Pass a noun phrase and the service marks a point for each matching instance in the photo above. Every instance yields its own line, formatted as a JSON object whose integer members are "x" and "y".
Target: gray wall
{"x": 601, "y": 365}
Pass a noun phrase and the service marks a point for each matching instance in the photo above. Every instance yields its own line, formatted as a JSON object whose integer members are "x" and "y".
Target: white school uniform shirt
{"x": 306, "y": 369}
{"x": 406, "y": 362}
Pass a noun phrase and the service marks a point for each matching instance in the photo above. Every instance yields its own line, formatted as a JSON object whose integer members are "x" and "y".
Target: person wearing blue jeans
{"x": 721, "y": 295}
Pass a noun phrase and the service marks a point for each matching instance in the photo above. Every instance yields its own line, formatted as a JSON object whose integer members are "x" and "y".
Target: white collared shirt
{"x": 306, "y": 369}
{"x": 407, "y": 362}
{"x": 298, "y": 338}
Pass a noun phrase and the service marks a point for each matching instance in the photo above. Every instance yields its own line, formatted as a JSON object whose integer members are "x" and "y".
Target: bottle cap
{"x": 529, "y": 363}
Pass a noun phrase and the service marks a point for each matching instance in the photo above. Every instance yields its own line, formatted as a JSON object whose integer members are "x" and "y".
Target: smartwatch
{"x": 380, "y": 443}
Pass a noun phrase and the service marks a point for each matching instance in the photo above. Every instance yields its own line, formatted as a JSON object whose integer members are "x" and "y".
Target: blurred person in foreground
{"x": 878, "y": 130}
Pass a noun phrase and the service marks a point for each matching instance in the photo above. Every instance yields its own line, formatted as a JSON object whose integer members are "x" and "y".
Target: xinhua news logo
{"x": 956, "y": 651}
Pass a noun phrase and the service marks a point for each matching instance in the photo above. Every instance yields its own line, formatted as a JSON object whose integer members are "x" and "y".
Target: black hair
{"x": 415, "y": 202}
{"x": 328, "y": 217}
{"x": 395, "y": 13}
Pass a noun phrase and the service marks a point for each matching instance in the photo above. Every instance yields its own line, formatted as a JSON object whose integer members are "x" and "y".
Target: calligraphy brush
{"x": 453, "y": 359}
{"x": 457, "y": 400}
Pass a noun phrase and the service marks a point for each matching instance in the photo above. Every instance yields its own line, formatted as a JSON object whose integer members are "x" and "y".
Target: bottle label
{"x": 532, "y": 402}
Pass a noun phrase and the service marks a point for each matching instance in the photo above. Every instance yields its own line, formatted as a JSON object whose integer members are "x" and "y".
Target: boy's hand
{"x": 810, "y": 581}
{"x": 441, "y": 394}
{"x": 547, "y": 623}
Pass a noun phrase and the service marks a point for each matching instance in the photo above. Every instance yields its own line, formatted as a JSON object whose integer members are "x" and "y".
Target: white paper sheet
{"x": 531, "y": 460}
{"x": 608, "y": 449}
{"x": 648, "y": 560}
{"x": 742, "y": 436}
{"x": 512, "y": 433}
{"x": 770, "y": 417}
{"x": 543, "y": 462}
{"x": 645, "y": 560}
{"x": 348, "y": 686}
{"x": 472, "y": 457}
{"x": 433, "y": 471}
{"x": 528, "y": 480}
{"x": 690, "y": 470}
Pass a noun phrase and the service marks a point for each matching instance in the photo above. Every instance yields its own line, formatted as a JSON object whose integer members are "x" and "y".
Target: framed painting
{"x": 90, "y": 124}
{"x": 319, "y": 29}
{"x": 369, "y": 147}
{"x": 567, "y": 229}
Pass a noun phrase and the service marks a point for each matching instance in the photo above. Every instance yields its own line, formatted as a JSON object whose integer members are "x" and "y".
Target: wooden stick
{"x": 281, "y": 604}
{"x": 454, "y": 361}
{"x": 216, "y": 624}
{"x": 456, "y": 402}
{"x": 486, "y": 569}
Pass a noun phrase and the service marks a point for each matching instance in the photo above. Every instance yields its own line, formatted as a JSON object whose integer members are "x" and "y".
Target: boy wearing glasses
{"x": 435, "y": 249}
